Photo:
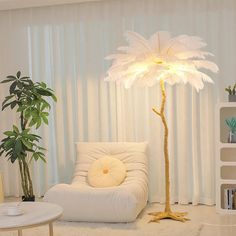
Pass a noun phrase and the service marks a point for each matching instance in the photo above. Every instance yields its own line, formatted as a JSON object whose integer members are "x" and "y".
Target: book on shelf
{"x": 230, "y": 198}
{"x": 234, "y": 201}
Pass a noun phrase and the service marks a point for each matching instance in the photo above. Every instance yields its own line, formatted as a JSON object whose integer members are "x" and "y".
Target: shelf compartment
{"x": 228, "y": 172}
{"x": 228, "y": 154}
{"x": 225, "y": 112}
{"x": 223, "y": 197}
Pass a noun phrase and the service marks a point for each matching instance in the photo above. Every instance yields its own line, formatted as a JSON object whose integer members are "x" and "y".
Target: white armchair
{"x": 122, "y": 203}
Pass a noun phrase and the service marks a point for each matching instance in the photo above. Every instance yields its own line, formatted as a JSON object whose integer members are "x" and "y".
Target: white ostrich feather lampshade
{"x": 173, "y": 60}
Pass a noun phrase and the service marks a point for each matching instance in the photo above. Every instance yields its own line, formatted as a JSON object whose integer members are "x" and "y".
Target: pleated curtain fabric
{"x": 1, "y": 189}
{"x": 65, "y": 47}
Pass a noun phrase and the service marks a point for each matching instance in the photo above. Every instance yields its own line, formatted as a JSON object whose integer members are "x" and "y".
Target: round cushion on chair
{"x": 106, "y": 172}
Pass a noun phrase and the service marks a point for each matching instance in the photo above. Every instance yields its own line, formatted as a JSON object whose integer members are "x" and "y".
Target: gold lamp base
{"x": 157, "y": 216}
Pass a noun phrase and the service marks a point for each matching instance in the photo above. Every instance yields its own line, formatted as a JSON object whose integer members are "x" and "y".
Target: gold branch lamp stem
{"x": 167, "y": 214}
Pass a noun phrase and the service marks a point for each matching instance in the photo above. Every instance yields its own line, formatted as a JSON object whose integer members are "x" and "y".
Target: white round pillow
{"x": 106, "y": 172}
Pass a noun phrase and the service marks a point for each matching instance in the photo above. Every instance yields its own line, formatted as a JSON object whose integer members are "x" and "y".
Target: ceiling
{"x": 16, "y": 4}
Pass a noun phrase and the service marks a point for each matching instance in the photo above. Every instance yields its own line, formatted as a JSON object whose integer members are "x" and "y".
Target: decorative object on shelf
{"x": 230, "y": 198}
{"x": 1, "y": 189}
{"x": 231, "y": 122}
{"x": 162, "y": 59}
{"x": 234, "y": 200}
{"x": 232, "y": 93}
{"x": 26, "y": 98}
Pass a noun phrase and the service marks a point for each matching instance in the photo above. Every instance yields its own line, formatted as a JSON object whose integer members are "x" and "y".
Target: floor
{"x": 204, "y": 222}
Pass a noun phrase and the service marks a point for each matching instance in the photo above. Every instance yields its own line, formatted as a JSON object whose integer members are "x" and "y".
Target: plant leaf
{"x": 11, "y": 77}
{"x": 9, "y": 133}
{"x": 18, "y": 147}
{"x": 7, "y": 80}
{"x": 27, "y": 144}
{"x": 13, "y": 104}
{"x": 7, "y": 99}
{"x": 18, "y": 74}
{"x": 44, "y": 92}
{"x": 16, "y": 129}
{"x": 12, "y": 87}
{"x": 6, "y": 105}
{"x": 45, "y": 119}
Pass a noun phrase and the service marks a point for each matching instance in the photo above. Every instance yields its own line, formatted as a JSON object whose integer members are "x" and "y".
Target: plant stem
{"x": 22, "y": 121}
{"x": 30, "y": 185}
{"x": 22, "y": 177}
{"x": 27, "y": 185}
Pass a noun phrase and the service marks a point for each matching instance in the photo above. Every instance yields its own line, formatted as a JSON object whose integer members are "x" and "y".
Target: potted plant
{"x": 232, "y": 93}
{"x": 26, "y": 98}
{"x": 231, "y": 122}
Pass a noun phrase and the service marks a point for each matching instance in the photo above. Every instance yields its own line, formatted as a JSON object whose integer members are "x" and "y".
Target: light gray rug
{"x": 204, "y": 222}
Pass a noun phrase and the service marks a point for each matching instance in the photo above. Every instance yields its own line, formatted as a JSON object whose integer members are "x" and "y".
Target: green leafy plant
{"x": 231, "y": 90}
{"x": 231, "y": 122}
{"x": 26, "y": 98}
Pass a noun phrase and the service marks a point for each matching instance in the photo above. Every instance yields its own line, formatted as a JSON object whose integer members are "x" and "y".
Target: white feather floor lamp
{"x": 162, "y": 59}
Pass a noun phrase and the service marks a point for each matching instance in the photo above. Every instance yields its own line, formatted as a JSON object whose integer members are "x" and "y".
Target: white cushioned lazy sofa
{"x": 122, "y": 203}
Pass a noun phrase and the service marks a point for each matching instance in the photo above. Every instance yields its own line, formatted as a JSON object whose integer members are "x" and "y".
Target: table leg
{"x": 50, "y": 229}
{"x": 19, "y": 232}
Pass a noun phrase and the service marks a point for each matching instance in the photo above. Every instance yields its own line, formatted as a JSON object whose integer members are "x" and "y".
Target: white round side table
{"x": 34, "y": 214}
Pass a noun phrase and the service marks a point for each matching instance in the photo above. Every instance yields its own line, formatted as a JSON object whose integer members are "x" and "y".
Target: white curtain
{"x": 65, "y": 46}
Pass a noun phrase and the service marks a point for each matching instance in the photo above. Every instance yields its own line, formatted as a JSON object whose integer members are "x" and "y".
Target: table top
{"x": 34, "y": 213}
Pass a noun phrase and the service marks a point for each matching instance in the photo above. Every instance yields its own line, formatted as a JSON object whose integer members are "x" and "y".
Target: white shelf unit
{"x": 225, "y": 155}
